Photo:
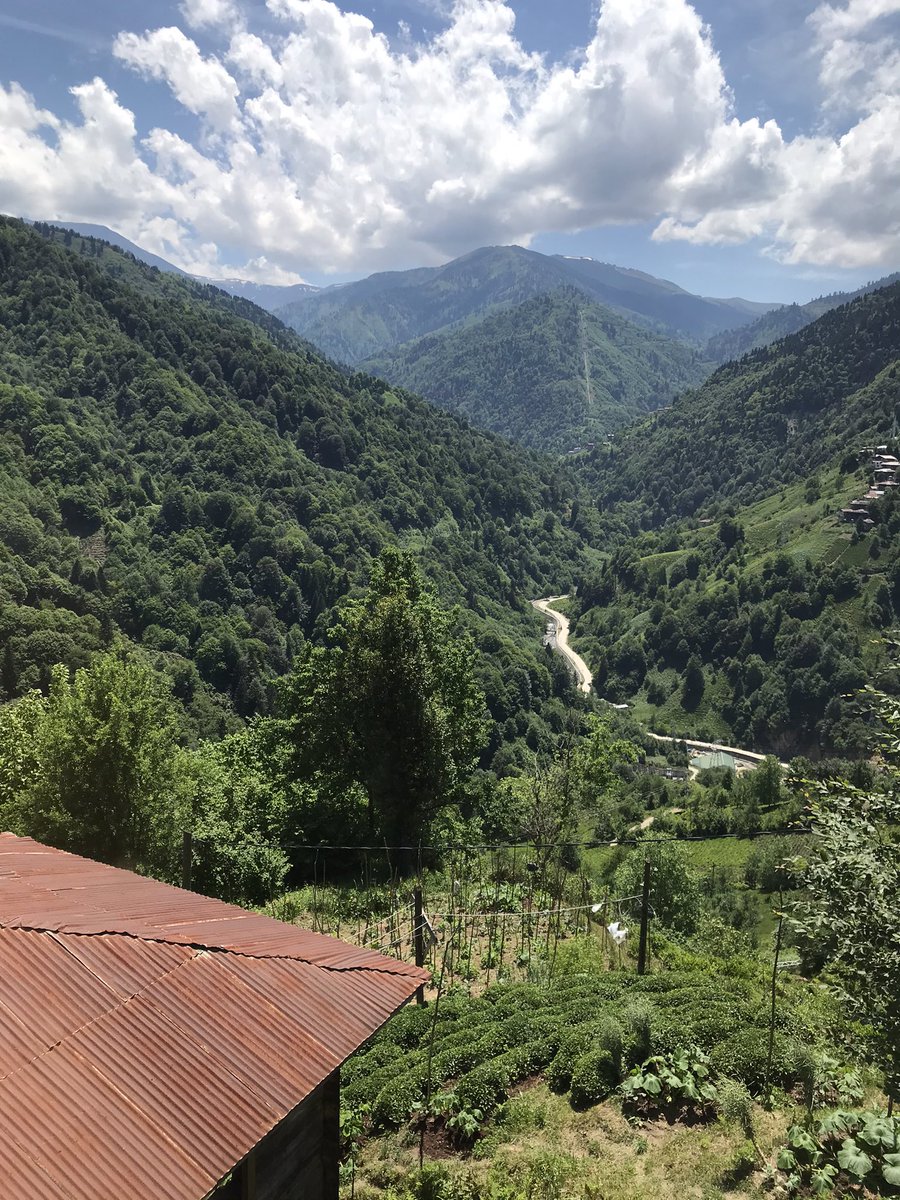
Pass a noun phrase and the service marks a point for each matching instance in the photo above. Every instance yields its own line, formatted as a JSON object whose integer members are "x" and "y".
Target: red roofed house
{"x": 154, "y": 1042}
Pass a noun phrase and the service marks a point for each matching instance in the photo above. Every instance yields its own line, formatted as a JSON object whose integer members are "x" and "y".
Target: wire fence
{"x": 490, "y": 912}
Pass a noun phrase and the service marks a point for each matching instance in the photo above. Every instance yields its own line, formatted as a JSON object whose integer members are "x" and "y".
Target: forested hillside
{"x": 552, "y": 373}
{"x": 177, "y": 467}
{"x": 760, "y": 620}
{"x": 362, "y": 320}
{"x": 781, "y": 322}
{"x": 772, "y": 418}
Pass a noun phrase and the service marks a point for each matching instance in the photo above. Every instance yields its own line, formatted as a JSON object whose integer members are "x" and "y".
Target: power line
{"x": 592, "y": 843}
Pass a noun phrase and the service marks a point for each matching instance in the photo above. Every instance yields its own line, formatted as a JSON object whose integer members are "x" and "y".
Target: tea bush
{"x": 585, "y": 1032}
{"x": 596, "y": 1074}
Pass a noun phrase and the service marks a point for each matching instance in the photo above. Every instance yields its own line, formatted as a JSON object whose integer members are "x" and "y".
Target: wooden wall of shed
{"x": 299, "y": 1160}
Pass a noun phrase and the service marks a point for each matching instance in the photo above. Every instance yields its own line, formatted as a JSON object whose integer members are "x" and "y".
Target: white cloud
{"x": 201, "y": 84}
{"x": 858, "y": 52}
{"x": 203, "y": 13}
{"x": 325, "y": 146}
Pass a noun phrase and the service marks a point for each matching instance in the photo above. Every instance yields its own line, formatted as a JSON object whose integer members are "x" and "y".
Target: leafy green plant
{"x": 835, "y": 1083}
{"x": 464, "y": 1125}
{"x": 352, "y": 1129}
{"x": 675, "y": 1084}
{"x": 446, "y": 1110}
{"x": 855, "y": 1151}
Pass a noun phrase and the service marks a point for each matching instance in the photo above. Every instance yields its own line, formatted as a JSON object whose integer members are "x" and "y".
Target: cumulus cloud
{"x": 320, "y": 144}
{"x": 201, "y": 84}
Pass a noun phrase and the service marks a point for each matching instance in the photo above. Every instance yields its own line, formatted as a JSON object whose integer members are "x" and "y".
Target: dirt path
{"x": 561, "y": 641}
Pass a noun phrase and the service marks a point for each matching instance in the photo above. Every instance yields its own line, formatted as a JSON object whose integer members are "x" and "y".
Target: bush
{"x": 605, "y": 1034}
{"x": 743, "y": 1056}
{"x": 594, "y": 1077}
{"x": 396, "y": 1100}
{"x": 637, "y": 1036}
{"x": 485, "y": 1087}
{"x": 736, "y": 1105}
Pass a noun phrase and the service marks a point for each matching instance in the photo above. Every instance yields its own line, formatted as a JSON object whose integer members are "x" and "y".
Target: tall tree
{"x": 848, "y": 911}
{"x": 392, "y": 704}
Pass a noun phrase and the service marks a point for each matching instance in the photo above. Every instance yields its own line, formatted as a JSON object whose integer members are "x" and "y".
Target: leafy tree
{"x": 20, "y": 763}
{"x": 848, "y": 911}
{"x": 107, "y": 784}
{"x": 239, "y": 816}
{"x": 392, "y": 704}
{"x": 694, "y": 684}
{"x": 674, "y": 894}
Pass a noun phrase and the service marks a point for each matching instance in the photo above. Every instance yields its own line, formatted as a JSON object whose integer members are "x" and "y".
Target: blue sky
{"x": 739, "y": 149}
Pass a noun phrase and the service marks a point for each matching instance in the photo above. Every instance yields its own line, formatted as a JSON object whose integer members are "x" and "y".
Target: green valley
{"x": 736, "y": 601}
{"x": 266, "y": 630}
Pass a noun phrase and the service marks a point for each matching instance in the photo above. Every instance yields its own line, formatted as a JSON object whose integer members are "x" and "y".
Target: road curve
{"x": 561, "y": 634}
{"x": 752, "y": 756}
{"x": 586, "y": 681}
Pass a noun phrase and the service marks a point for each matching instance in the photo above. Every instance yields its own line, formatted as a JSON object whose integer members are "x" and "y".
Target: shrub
{"x": 637, "y": 1036}
{"x": 484, "y": 1087}
{"x": 736, "y": 1105}
{"x": 743, "y": 1056}
{"x": 594, "y": 1077}
{"x": 396, "y": 1100}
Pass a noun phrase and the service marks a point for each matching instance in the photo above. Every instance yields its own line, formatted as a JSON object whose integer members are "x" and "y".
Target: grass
{"x": 730, "y": 853}
{"x": 786, "y": 521}
{"x": 540, "y": 1148}
{"x": 671, "y": 717}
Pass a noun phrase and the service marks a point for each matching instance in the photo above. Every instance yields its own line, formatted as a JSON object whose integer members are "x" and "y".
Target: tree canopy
{"x": 392, "y": 704}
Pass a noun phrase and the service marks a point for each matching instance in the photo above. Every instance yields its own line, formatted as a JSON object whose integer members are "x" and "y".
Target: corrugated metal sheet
{"x": 150, "y": 1037}
{"x": 67, "y": 894}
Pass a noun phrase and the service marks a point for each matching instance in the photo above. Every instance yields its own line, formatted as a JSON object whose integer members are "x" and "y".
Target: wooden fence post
{"x": 187, "y": 859}
{"x": 419, "y": 938}
{"x": 645, "y": 920}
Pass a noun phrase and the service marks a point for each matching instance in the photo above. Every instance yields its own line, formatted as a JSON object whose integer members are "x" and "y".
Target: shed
{"x": 160, "y": 1045}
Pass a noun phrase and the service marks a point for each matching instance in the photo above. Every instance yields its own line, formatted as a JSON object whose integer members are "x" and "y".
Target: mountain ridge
{"x": 554, "y": 372}
{"x": 361, "y": 320}
{"x": 266, "y": 295}
{"x": 782, "y": 321}
{"x": 180, "y": 470}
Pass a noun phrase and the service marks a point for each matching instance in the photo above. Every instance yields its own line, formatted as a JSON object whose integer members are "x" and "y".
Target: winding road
{"x": 560, "y": 636}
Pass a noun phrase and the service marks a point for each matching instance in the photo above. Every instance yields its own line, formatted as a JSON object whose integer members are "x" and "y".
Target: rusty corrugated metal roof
{"x": 150, "y": 1037}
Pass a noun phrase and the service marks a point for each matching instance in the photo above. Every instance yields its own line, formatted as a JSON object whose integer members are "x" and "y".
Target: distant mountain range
{"x": 358, "y": 321}
{"x": 780, "y": 322}
{"x": 266, "y": 295}
{"x": 549, "y": 350}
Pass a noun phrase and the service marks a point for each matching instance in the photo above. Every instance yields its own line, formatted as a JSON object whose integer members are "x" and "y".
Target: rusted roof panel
{"x": 125, "y": 964}
{"x": 46, "y": 989}
{"x": 30, "y": 1181}
{"x": 189, "y": 1094}
{"x": 275, "y": 1057}
{"x": 66, "y": 894}
{"x": 301, "y": 991}
{"x": 150, "y": 1037}
{"x": 85, "y": 1135}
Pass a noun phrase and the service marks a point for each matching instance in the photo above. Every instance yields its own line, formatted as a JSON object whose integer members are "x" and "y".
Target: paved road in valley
{"x": 561, "y": 640}
{"x": 560, "y": 631}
